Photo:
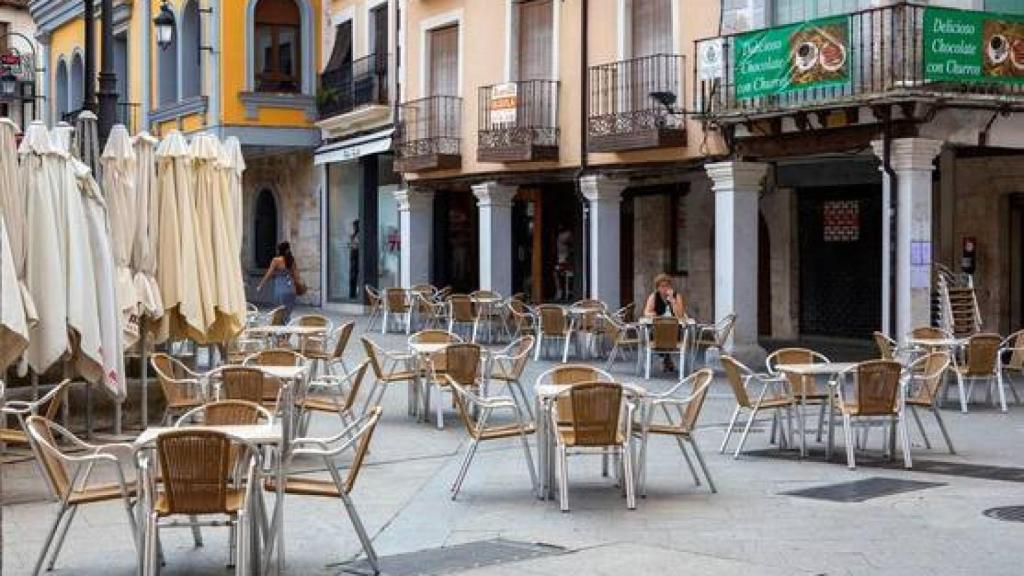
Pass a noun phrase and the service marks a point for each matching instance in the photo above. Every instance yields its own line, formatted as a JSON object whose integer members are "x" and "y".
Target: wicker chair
{"x": 599, "y": 421}
{"x": 667, "y": 338}
{"x": 1011, "y": 360}
{"x": 317, "y": 343}
{"x": 626, "y": 314}
{"x": 182, "y": 388}
{"x": 48, "y": 405}
{"x": 622, "y": 336}
{"x": 376, "y": 304}
{"x": 931, "y": 333}
{"x": 554, "y": 325}
{"x": 461, "y": 362}
{"x": 981, "y": 357}
{"x": 388, "y": 369}
{"x": 358, "y": 436}
{"x": 461, "y": 314}
{"x": 276, "y": 357}
{"x": 773, "y": 395}
{"x": 277, "y": 316}
{"x": 507, "y": 367}
{"x": 196, "y": 482}
{"x": 695, "y": 390}
{"x": 923, "y": 388}
{"x": 396, "y": 305}
{"x": 328, "y": 357}
{"x": 247, "y": 383}
{"x": 886, "y": 346}
{"x": 587, "y": 324}
{"x": 714, "y": 336}
{"x": 522, "y": 320}
{"x": 804, "y": 389}
{"x": 480, "y": 429}
{"x": 428, "y": 312}
{"x": 225, "y": 413}
{"x": 876, "y": 398}
{"x": 567, "y": 375}
{"x": 433, "y": 336}
{"x": 332, "y": 395}
{"x": 68, "y": 478}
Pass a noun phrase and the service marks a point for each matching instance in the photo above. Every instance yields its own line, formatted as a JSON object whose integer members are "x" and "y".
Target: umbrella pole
{"x": 144, "y": 368}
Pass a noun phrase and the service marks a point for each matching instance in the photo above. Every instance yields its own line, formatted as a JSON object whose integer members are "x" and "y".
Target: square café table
{"x": 815, "y": 369}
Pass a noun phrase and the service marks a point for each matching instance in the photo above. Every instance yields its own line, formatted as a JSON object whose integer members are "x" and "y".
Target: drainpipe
{"x": 584, "y": 106}
{"x": 888, "y": 194}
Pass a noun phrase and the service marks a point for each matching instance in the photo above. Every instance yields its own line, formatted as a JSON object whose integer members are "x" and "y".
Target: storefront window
{"x": 344, "y": 231}
{"x": 388, "y": 233}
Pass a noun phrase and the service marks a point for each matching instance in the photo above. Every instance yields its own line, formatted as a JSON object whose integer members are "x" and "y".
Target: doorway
{"x": 1016, "y": 262}
{"x": 840, "y": 249}
{"x": 456, "y": 230}
{"x": 265, "y": 228}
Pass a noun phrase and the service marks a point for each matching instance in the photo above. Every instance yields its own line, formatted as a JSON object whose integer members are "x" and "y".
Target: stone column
{"x": 415, "y": 221}
{"x": 913, "y": 160}
{"x": 604, "y": 195}
{"x": 495, "y": 203}
{"x": 736, "y": 186}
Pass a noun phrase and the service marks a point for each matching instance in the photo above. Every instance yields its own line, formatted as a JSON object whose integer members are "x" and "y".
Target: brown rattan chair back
{"x": 365, "y": 434}
{"x": 982, "y": 354}
{"x": 372, "y": 296}
{"x": 194, "y": 466}
{"x": 698, "y": 393}
{"x": 521, "y": 353}
{"x": 277, "y": 316}
{"x": 886, "y": 347}
{"x": 568, "y": 375}
{"x": 344, "y": 333}
{"x": 596, "y": 409}
{"x": 801, "y": 385}
{"x": 371, "y": 354}
{"x": 627, "y": 313}
{"x": 39, "y": 429}
{"x": 878, "y": 387}
{"x": 1015, "y": 361}
{"x": 612, "y": 327}
{"x": 735, "y": 373}
{"x": 462, "y": 363}
{"x": 244, "y": 383}
{"x": 552, "y": 319}
{"x": 462, "y": 308}
{"x": 396, "y": 300}
{"x": 275, "y": 357}
{"x": 169, "y": 369}
{"x": 927, "y": 372}
{"x": 231, "y": 413}
{"x": 724, "y": 330}
{"x": 484, "y": 294}
{"x": 929, "y": 332}
{"x": 434, "y": 337}
{"x": 313, "y": 321}
{"x": 665, "y": 334}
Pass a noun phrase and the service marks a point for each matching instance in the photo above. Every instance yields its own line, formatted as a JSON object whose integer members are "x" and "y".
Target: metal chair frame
{"x": 775, "y": 394}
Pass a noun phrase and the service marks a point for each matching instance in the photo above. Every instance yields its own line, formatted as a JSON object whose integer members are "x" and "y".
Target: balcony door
{"x": 337, "y": 76}
{"x": 650, "y": 33}
{"x": 651, "y": 28}
{"x": 534, "y": 38}
{"x": 441, "y": 114}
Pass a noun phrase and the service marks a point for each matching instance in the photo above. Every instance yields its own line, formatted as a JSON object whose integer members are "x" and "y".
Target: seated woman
{"x": 665, "y": 301}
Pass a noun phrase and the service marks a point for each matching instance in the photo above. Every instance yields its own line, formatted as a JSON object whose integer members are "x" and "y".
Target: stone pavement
{"x": 749, "y": 527}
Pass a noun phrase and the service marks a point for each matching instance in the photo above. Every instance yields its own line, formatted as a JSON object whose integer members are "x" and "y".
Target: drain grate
{"x": 1006, "y": 513}
{"x": 862, "y": 490}
{"x": 454, "y": 559}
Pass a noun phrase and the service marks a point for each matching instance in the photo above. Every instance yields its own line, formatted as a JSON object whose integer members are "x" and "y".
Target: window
{"x": 76, "y": 98}
{"x": 167, "y": 65}
{"x": 277, "y": 35}
{"x": 535, "y": 38}
{"x": 378, "y": 30}
{"x": 61, "y": 89}
{"x": 651, "y": 28}
{"x": 790, "y": 11}
{"x": 191, "y": 55}
{"x": 444, "y": 61}
{"x": 1005, "y": 6}
{"x": 5, "y": 28}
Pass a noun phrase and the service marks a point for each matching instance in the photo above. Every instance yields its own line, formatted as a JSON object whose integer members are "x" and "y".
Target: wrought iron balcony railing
{"x": 874, "y": 55}
{"x": 623, "y": 114}
{"x": 518, "y": 121}
{"x": 429, "y": 133}
{"x": 364, "y": 82}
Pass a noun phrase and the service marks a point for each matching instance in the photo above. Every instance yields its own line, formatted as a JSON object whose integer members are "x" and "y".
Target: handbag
{"x": 300, "y": 286}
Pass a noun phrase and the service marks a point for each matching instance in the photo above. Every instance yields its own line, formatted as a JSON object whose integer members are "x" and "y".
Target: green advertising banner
{"x": 966, "y": 46}
{"x": 810, "y": 54}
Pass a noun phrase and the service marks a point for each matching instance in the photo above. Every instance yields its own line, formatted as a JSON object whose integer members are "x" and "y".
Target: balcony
{"x": 882, "y": 58}
{"x": 354, "y": 97}
{"x": 518, "y": 122}
{"x": 429, "y": 134}
{"x": 623, "y": 116}
{"x": 127, "y": 114}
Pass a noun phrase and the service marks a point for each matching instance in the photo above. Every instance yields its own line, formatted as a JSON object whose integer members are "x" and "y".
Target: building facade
{"x": 247, "y": 69}
{"x": 20, "y": 59}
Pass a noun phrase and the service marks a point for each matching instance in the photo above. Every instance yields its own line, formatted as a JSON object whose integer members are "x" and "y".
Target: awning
{"x": 353, "y": 148}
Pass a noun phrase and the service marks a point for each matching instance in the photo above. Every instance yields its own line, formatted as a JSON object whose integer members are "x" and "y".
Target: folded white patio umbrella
{"x": 80, "y": 281}
{"x": 220, "y": 275}
{"x": 177, "y": 272}
{"x": 44, "y": 269}
{"x": 16, "y": 312}
{"x": 147, "y": 226}
{"x": 119, "y": 167}
{"x": 233, "y": 163}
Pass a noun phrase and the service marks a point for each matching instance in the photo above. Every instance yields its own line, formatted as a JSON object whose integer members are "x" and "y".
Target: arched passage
{"x": 265, "y": 228}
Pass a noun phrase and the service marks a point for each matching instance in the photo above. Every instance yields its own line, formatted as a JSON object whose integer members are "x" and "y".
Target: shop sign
{"x": 971, "y": 46}
{"x": 710, "y": 58}
{"x": 812, "y": 54}
{"x": 504, "y": 98}
{"x": 17, "y": 64}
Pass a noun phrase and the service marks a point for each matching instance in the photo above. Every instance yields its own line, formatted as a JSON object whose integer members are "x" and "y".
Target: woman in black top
{"x": 665, "y": 301}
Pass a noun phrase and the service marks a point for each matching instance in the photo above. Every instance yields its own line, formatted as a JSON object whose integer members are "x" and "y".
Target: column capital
{"x": 602, "y": 188}
{"x": 493, "y": 193}
{"x": 413, "y": 200}
{"x": 910, "y": 153}
{"x": 736, "y": 176}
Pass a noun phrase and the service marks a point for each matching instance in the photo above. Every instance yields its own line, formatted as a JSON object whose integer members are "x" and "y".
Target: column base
{"x": 753, "y": 355}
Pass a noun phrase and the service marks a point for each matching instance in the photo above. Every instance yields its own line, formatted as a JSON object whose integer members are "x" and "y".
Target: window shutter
{"x": 652, "y": 27}
{"x": 535, "y": 40}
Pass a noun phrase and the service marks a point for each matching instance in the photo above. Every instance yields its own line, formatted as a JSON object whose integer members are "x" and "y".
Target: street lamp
{"x": 164, "y": 23}
{"x": 8, "y": 83}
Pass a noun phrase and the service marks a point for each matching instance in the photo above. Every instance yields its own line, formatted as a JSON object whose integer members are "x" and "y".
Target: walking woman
{"x": 284, "y": 275}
